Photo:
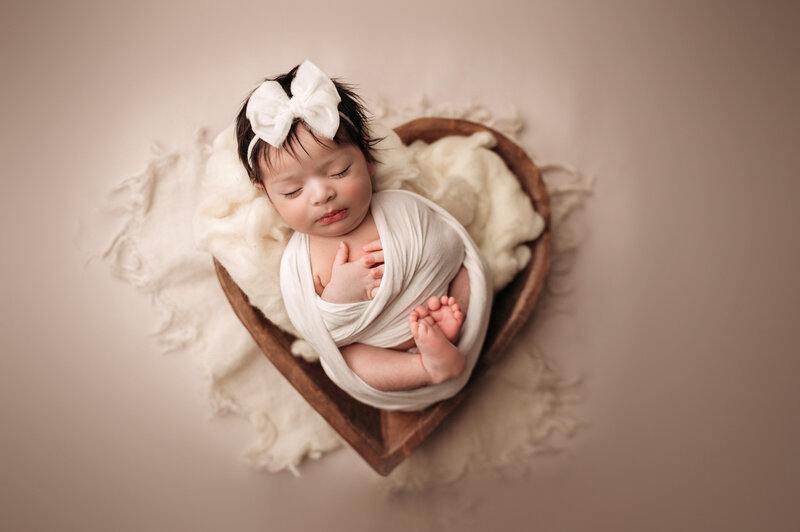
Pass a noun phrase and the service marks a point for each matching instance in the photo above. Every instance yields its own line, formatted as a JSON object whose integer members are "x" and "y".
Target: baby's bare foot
{"x": 446, "y": 315}
{"x": 440, "y": 358}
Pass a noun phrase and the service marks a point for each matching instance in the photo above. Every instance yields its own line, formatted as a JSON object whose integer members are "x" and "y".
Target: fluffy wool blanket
{"x": 516, "y": 410}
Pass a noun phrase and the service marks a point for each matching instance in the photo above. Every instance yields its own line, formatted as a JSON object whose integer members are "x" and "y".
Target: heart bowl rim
{"x": 385, "y": 438}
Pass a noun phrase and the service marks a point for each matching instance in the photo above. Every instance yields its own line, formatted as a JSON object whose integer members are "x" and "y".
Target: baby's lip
{"x": 330, "y": 213}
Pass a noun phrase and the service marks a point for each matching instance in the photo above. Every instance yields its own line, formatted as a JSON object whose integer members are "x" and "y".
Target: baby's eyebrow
{"x": 284, "y": 177}
{"x": 326, "y": 161}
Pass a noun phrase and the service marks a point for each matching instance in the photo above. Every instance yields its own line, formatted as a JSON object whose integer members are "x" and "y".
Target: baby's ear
{"x": 260, "y": 186}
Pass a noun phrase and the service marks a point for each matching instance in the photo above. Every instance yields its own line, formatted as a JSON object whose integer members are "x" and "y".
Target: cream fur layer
{"x": 518, "y": 409}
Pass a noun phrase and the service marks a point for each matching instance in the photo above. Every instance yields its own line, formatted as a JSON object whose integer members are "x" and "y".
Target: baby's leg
{"x": 438, "y": 359}
{"x": 386, "y": 369}
{"x": 459, "y": 289}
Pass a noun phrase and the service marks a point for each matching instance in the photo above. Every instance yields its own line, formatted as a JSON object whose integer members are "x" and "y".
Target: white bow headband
{"x": 314, "y": 99}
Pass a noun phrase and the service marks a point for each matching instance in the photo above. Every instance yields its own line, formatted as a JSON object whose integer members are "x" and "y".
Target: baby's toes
{"x": 413, "y": 323}
{"x": 434, "y": 303}
{"x": 459, "y": 317}
{"x": 421, "y": 311}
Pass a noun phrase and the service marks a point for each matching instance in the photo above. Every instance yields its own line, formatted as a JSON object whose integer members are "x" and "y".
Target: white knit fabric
{"x": 420, "y": 259}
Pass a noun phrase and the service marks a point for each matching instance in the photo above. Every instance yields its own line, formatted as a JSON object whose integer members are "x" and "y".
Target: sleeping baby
{"x": 387, "y": 287}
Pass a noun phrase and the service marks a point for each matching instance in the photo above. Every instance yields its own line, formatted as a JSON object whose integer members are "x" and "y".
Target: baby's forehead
{"x": 300, "y": 156}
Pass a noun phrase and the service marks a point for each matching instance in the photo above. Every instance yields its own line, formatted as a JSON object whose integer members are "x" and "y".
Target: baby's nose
{"x": 323, "y": 193}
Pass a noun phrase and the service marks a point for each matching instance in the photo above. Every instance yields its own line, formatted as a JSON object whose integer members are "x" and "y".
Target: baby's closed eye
{"x": 342, "y": 173}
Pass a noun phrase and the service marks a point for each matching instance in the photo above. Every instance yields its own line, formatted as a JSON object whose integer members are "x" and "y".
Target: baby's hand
{"x": 353, "y": 281}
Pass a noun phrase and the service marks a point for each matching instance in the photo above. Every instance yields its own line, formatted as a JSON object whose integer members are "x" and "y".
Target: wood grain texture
{"x": 384, "y": 438}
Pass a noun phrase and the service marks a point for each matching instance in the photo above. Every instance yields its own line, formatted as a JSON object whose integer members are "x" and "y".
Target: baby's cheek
{"x": 362, "y": 192}
{"x": 292, "y": 216}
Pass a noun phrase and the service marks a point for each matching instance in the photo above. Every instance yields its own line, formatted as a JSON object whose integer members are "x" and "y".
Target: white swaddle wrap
{"x": 424, "y": 247}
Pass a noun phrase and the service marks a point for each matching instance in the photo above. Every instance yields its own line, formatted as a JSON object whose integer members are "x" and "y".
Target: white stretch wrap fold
{"x": 424, "y": 247}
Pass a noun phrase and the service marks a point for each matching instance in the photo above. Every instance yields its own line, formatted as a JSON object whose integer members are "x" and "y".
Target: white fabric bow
{"x": 314, "y": 99}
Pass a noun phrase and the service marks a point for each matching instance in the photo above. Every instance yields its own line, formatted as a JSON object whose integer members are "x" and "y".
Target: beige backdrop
{"x": 682, "y": 309}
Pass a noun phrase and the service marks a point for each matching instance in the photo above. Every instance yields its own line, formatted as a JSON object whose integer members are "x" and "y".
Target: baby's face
{"x": 323, "y": 190}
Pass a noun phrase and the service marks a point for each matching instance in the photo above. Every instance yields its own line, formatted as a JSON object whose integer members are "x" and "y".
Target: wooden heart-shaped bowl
{"x": 384, "y": 438}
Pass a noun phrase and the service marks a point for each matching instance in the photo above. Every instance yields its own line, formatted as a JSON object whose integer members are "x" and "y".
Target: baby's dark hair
{"x": 352, "y": 128}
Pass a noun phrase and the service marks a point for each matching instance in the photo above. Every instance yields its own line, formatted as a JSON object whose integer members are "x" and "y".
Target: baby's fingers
{"x": 373, "y": 258}
{"x": 377, "y": 272}
{"x": 341, "y": 254}
{"x": 375, "y": 245}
